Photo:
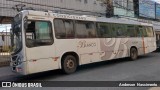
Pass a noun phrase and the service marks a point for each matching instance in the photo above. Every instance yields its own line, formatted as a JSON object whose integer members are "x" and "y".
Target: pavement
{"x": 5, "y": 73}
{"x": 146, "y": 68}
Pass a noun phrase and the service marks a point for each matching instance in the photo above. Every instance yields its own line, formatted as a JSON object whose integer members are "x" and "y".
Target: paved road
{"x": 146, "y": 68}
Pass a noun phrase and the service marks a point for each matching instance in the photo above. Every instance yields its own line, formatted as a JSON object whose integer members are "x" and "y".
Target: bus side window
{"x": 114, "y": 31}
{"x": 141, "y": 31}
{"x": 131, "y": 31}
{"x": 39, "y": 33}
{"x": 85, "y": 29}
{"x": 144, "y": 31}
{"x": 138, "y": 31}
{"x": 104, "y": 30}
{"x": 59, "y": 28}
{"x": 69, "y": 28}
{"x": 149, "y": 31}
{"x": 121, "y": 30}
{"x": 81, "y": 30}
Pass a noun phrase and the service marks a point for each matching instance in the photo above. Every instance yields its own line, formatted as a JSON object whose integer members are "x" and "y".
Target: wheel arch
{"x": 131, "y": 48}
{"x": 71, "y": 53}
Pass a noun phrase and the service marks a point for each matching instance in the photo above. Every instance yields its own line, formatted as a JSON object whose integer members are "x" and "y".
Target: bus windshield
{"x": 16, "y": 38}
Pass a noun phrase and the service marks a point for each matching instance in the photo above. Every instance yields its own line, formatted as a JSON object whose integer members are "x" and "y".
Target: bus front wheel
{"x": 133, "y": 54}
{"x": 69, "y": 64}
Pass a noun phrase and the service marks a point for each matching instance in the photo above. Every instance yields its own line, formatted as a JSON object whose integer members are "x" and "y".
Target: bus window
{"x": 85, "y": 30}
{"x": 104, "y": 30}
{"x": 69, "y": 28}
{"x": 143, "y": 28}
{"x": 149, "y": 31}
{"x": 131, "y": 31}
{"x": 114, "y": 31}
{"x": 59, "y": 28}
{"x": 121, "y": 30}
{"x": 140, "y": 31}
{"x": 38, "y": 33}
{"x": 64, "y": 28}
{"x": 43, "y": 30}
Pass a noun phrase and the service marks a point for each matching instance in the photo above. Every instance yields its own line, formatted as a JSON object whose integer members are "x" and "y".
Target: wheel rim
{"x": 70, "y": 64}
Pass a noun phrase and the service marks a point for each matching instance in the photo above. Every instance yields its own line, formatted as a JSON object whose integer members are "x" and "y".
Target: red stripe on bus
{"x": 143, "y": 45}
{"x": 55, "y": 58}
{"x": 34, "y": 60}
{"x": 90, "y": 53}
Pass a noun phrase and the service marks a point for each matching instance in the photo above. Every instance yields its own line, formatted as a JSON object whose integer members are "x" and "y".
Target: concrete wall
{"x": 127, "y": 10}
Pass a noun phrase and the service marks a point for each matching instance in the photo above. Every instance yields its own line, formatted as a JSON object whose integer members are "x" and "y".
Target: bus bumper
{"x": 20, "y": 69}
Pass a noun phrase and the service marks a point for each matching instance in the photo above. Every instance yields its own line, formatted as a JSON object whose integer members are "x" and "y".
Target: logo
{"x": 6, "y": 84}
{"x": 20, "y": 84}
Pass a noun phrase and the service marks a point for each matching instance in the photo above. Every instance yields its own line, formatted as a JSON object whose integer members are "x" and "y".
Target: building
{"x": 124, "y": 8}
{"x": 143, "y": 10}
{"x": 9, "y": 7}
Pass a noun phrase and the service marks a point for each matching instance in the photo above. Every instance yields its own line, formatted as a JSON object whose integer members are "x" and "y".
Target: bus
{"x": 44, "y": 41}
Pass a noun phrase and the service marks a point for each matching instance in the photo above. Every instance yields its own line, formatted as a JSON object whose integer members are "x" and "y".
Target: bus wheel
{"x": 133, "y": 54}
{"x": 69, "y": 64}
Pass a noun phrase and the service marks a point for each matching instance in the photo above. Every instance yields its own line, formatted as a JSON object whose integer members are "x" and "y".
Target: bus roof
{"x": 86, "y": 17}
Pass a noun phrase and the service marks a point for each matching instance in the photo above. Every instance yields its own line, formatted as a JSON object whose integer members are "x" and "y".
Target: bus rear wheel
{"x": 133, "y": 54}
{"x": 69, "y": 64}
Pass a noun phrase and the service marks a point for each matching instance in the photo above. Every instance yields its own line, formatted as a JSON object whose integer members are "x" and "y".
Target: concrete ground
{"x": 146, "y": 68}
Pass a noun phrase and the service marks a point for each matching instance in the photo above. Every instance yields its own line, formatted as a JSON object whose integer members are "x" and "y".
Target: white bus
{"x": 47, "y": 41}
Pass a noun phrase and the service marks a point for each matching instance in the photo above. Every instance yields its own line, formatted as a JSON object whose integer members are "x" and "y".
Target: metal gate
{"x": 5, "y": 48}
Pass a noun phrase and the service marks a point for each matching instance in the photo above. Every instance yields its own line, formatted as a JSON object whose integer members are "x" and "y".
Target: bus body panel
{"x": 41, "y": 59}
{"x": 111, "y": 48}
{"x": 152, "y": 44}
{"x": 137, "y": 43}
{"x": 88, "y": 50}
{"x": 63, "y": 46}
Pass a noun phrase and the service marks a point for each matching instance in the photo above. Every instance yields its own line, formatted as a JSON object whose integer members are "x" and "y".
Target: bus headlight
{"x": 19, "y": 60}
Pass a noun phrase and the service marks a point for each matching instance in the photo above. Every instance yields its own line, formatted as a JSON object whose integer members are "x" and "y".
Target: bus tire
{"x": 69, "y": 64}
{"x": 133, "y": 53}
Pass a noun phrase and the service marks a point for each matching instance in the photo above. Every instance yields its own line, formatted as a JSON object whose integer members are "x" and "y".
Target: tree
{"x": 109, "y": 7}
